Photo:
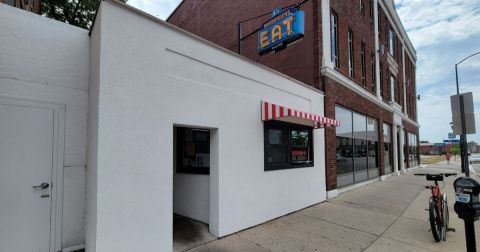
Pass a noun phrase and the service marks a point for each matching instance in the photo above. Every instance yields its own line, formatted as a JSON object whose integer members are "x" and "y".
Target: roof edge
{"x": 207, "y": 42}
{"x": 174, "y": 10}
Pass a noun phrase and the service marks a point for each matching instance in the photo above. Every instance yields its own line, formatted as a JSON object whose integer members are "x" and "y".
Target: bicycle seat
{"x": 435, "y": 177}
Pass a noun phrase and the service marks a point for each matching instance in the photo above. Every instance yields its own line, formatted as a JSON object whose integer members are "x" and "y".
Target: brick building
{"x": 356, "y": 52}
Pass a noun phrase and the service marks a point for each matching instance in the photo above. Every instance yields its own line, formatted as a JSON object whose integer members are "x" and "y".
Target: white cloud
{"x": 158, "y": 8}
{"x": 443, "y": 32}
{"x": 431, "y": 22}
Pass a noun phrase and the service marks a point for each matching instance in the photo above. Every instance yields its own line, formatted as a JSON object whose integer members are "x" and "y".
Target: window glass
{"x": 387, "y": 133}
{"x": 277, "y": 148}
{"x": 345, "y": 117}
{"x": 193, "y": 150}
{"x": 334, "y": 37}
{"x": 359, "y": 126}
{"x": 372, "y": 154}
{"x": 287, "y": 145}
{"x": 350, "y": 54}
{"x": 300, "y": 150}
{"x": 344, "y": 155}
{"x": 372, "y": 129}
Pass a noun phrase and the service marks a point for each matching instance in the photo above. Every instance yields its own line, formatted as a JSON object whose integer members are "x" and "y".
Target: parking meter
{"x": 467, "y": 206}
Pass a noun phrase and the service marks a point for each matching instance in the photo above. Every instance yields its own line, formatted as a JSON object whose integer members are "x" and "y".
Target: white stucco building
{"x": 124, "y": 126}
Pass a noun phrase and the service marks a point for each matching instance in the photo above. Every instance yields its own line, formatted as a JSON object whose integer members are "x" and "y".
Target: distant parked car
{"x": 340, "y": 158}
{"x": 474, "y": 159}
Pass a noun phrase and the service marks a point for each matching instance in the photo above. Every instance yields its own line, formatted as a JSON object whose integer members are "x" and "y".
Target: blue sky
{"x": 443, "y": 32}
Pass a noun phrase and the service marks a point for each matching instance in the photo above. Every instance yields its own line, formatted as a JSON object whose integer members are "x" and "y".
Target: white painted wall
{"x": 191, "y": 196}
{"x": 153, "y": 77}
{"x": 191, "y": 192}
{"x": 93, "y": 119}
{"x": 46, "y": 60}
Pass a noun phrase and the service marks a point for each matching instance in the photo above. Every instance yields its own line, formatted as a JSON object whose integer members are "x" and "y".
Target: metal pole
{"x": 470, "y": 236}
{"x": 463, "y": 140}
{"x": 462, "y": 136}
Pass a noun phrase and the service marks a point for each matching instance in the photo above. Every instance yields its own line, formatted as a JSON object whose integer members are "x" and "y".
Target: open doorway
{"x": 191, "y": 187}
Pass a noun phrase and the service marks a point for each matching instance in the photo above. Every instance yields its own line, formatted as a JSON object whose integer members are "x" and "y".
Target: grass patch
{"x": 431, "y": 159}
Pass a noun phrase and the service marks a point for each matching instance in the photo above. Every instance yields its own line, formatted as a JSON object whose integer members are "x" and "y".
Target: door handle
{"x": 43, "y": 185}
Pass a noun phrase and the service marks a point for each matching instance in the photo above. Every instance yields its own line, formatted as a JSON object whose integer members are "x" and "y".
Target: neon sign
{"x": 284, "y": 28}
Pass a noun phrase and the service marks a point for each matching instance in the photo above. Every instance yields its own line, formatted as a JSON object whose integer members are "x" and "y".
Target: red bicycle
{"x": 437, "y": 206}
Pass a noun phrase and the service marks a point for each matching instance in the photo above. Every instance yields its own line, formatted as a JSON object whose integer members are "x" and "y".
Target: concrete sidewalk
{"x": 387, "y": 215}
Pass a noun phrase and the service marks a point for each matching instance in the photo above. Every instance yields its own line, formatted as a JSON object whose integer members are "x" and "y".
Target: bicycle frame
{"x": 438, "y": 208}
{"x": 438, "y": 198}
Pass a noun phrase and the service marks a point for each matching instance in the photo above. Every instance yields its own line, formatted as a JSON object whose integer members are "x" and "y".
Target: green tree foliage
{"x": 455, "y": 150}
{"x": 75, "y": 12}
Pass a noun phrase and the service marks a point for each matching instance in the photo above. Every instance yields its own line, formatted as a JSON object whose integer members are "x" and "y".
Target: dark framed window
{"x": 363, "y": 64}
{"x": 362, "y": 7}
{"x": 391, "y": 42}
{"x": 381, "y": 80}
{"x": 374, "y": 75}
{"x": 334, "y": 37}
{"x": 193, "y": 150}
{"x": 287, "y": 145}
{"x": 387, "y": 148}
{"x": 351, "y": 58}
{"x": 356, "y": 147}
{"x": 370, "y": 4}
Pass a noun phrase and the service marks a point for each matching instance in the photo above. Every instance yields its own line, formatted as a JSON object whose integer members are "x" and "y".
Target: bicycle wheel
{"x": 445, "y": 217}
{"x": 435, "y": 225}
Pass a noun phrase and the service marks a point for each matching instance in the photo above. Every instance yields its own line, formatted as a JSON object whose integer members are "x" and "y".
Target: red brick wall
{"x": 217, "y": 21}
{"x": 350, "y": 17}
{"x": 411, "y": 95}
{"x": 338, "y": 94}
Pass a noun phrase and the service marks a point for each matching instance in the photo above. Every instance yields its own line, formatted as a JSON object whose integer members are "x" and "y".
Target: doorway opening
{"x": 191, "y": 187}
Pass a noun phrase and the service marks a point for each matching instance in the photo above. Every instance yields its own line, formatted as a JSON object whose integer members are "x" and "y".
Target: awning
{"x": 271, "y": 111}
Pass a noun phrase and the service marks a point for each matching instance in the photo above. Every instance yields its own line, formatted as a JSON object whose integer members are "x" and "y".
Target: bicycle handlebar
{"x": 444, "y": 174}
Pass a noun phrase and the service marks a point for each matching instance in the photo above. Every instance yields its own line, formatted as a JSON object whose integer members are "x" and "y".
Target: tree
{"x": 455, "y": 150}
{"x": 75, "y": 12}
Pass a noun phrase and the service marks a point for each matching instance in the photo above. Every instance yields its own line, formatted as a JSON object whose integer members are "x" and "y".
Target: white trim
{"x": 56, "y": 209}
{"x": 340, "y": 78}
{"x": 377, "y": 50}
{"x": 357, "y": 185}
{"x": 404, "y": 83}
{"x": 332, "y": 194}
{"x": 383, "y": 177}
{"x": 327, "y": 49}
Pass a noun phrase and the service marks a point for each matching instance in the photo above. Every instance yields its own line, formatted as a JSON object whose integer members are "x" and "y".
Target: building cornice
{"x": 392, "y": 15}
{"x": 341, "y": 79}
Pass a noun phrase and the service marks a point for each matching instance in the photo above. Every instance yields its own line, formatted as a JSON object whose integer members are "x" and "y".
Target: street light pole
{"x": 463, "y": 136}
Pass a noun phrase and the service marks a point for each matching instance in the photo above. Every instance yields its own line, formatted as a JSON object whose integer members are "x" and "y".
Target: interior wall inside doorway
{"x": 191, "y": 192}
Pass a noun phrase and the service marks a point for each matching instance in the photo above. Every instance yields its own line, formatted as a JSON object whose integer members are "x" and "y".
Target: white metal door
{"x": 26, "y": 160}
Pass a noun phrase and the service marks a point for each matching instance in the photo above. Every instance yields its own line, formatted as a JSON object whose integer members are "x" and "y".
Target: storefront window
{"x": 357, "y": 147}
{"x": 193, "y": 150}
{"x": 287, "y": 146}
{"x": 387, "y": 151}
{"x": 344, "y": 116}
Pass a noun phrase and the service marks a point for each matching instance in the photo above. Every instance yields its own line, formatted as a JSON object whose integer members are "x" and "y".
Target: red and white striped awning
{"x": 271, "y": 111}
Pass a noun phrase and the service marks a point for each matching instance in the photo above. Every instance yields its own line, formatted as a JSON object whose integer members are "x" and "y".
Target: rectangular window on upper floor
{"x": 351, "y": 71}
{"x": 391, "y": 42}
{"x": 334, "y": 38}
{"x": 363, "y": 64}
{"x": 370, "y": 4}
{"x": 381, "y": 79}
{"x": 372, "y": 66}
{"x": 362, "y": 7}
